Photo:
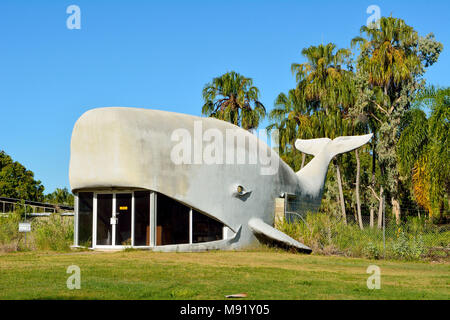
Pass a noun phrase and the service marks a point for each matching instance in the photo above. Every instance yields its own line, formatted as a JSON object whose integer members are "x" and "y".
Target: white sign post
{"x": 24, "y": 227}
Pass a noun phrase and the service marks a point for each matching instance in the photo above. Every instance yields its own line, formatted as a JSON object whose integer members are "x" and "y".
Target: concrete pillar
{"x": 279, "y": 210}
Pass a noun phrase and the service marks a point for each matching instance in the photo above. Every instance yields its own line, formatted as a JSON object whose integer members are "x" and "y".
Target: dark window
{"x": 142, "y": 218}
{"x": 85, "y": 200}
{"x": 205, "y": 229}
{"x": 172, "y": 221}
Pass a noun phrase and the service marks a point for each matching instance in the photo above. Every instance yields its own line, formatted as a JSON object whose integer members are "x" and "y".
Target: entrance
{"x": 113, "y": 219}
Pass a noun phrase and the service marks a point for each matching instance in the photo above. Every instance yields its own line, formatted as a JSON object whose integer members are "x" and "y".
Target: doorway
{"x": 113, "y": 219}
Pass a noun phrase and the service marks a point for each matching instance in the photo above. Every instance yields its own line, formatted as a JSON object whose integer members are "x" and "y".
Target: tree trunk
{"x": 372, "y": 210}
{"x": 358, "y": 203}
{"x": 396, "y": 210}
{"x": 380, "y": 209}
{"x": 371, "y": 217}
{"x": 303, "y": 160}
{"x": 341, "y": 193}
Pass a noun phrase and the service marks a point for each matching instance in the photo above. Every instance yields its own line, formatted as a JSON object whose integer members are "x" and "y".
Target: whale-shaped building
{"x": 174, "y": 182}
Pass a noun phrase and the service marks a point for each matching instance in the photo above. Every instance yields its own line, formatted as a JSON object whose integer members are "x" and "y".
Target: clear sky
{"x": 160, "y": 54}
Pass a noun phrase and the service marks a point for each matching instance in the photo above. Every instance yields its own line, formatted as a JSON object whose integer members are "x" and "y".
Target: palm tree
{"x": 384, "y": 56}
{"x": 60, "y": 196}
{"x": 230, "y": 98}
{"x": 328, "y": 90}
{"x": 323, "y": 75}
{"x": 291, "y": 117}
{"x": 388, "y": 56}
{"x": 423, "y": 150}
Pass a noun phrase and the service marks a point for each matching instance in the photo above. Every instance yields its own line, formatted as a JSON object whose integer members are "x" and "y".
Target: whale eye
{"x": 239, "y": 191}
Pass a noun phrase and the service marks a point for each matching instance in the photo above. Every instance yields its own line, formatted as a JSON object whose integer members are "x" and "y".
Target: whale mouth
{"x": 122, "y": 217}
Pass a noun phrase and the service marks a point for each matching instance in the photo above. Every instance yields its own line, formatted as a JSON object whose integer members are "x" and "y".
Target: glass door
{"x": 123, "y": 219}
{"x": 113, "y": 219}
{"x": 104, "y": 232}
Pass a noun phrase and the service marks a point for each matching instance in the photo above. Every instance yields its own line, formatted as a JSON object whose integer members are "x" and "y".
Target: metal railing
{"x": 33, "y": 208}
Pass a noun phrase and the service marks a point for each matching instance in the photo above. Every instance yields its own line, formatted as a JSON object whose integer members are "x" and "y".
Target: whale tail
{"x": 312, "y": 176}
{"x": 332, "y": 147}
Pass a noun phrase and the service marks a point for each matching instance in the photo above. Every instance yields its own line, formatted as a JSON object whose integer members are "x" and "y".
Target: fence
{"x": 415, "y": 237}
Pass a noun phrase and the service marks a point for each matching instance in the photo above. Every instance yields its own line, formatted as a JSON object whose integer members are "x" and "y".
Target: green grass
{"x": 263, "y": 274}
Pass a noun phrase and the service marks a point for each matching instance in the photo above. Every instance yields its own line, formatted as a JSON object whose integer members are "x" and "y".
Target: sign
{"x": 123, "y": 208}
{"x": 24, "y": 227}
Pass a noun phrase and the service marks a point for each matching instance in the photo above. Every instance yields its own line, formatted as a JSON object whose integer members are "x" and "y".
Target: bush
{"x": 408, "y": 248}
{"x": 373, "y": 251}
{"x": 328, "y": 234}
{"x": 53, "y": 233}
{"x": 10, "y": 236}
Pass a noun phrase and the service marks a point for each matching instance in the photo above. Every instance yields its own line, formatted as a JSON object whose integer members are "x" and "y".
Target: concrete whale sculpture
{"x": 182, "y": 157}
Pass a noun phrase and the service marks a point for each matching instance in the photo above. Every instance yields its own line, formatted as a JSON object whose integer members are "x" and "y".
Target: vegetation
{"x": 230, "y": 98}
{"x": 379, "y": 92}
{"x": 416, "y": 239}
{"x": 60, "y": 196}
{"x": 10, "y": 238}
{"x": 422, "y": 139}
{"x": 47, "y": 233}
{"x": 18, "y": 182}
{"x": 392, "y": 61}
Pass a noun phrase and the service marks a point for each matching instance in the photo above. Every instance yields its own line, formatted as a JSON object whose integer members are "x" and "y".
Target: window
{"x": 85, "y": 200}
{"x": 142, "y": 218}
{"x": 172, "y": 221}
{"x": 205, "y": 229}
{"x": 175, "y": 222}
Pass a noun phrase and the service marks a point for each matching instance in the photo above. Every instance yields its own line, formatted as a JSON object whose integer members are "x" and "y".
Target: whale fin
{"x": 267, "y": 234}
{"x": 312, "y": 176}
{"x": 311, "y": 146}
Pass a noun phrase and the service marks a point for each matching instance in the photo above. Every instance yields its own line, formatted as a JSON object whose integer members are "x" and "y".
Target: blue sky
{"x": 160, "y": 54}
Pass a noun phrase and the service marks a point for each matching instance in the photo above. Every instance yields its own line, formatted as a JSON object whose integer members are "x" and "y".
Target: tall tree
{"x": 233, "y": 98}
{"x": 291, "y": 117}
{"x": 424, "y": 151}
{"x": 18, "y": 182}
{"x": 393, "y": 58}
{"x": 325, "y": 81}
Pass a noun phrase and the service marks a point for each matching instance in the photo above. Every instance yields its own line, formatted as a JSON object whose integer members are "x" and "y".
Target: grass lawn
{"x": 265, "y": 274}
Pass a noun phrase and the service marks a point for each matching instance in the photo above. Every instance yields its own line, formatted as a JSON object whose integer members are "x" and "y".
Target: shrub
{"x": 327, "y": 234}
{"x": 373, "y": 251}
{"x": 9, "y": 232}
{"x": 53, "y": 233}
{"x": 408, "y": 248}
